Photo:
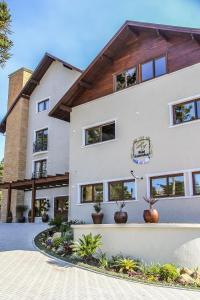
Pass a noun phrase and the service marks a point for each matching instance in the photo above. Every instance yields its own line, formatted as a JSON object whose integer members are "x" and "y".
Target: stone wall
{"x": 16, "y": 138}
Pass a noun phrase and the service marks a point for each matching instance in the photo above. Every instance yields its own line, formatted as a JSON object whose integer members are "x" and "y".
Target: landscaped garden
{"x": 86, "y": 252}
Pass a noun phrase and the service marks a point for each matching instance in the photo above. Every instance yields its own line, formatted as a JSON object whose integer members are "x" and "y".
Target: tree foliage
{"x": 5, "y": 42}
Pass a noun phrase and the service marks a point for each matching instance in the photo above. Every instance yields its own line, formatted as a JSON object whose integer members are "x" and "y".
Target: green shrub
{"x": 168, "y": 272}
{"x": 126, "y": 265}
{"x": 57, "y": 221}
{"x": 57, "y": 241}
{"x": 153, "y": 269}
{"x": 87, "y": 246}
{"x": 103, "y": 260}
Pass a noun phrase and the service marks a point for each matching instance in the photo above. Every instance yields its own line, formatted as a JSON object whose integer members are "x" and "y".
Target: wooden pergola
{"x": 34, "y": 184}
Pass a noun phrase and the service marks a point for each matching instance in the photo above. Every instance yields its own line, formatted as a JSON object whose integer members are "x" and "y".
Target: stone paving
{"x": 26, "y": 274}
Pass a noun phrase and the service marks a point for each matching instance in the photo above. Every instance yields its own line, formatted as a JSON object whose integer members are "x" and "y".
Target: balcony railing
{"x": 40, "y": 174}
{"x": 38, "y": 146}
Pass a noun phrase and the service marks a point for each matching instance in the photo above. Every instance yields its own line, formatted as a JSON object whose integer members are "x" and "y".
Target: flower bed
{"x": 86, "y": 253}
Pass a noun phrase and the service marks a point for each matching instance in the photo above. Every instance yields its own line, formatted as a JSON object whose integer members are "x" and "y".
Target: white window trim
{"x": 182, "y": 100}
{"x": 148, "y": 176}
{"x": 34, "y": 139}
{"x": 191, "y": 182}
{"x": 38, "y": 159}
{"x": 38, "y": 101}
{"x": 95, "y": 125}
{"x": 105, "y": 190}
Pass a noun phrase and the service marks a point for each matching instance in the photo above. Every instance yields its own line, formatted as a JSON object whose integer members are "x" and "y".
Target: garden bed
{"x": 58, "y": 243}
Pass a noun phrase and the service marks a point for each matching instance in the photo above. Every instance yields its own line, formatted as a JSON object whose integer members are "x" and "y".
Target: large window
{"x": 167, "y": 186}
{"x": 153, "y": 68}
{"x": 186, "y": 112}
{"x": 43, "y": 105}
{"x": 92, "y": 193}
{"x": 196, "y": 183}
{"x": 40, "y": 168}
{"x": 121, "y": 190}
{"x": 40, "y": 206}
{"x": 100, "y": 133}
{"x": 126, "y": 79}
{"x": 41, "y": 140}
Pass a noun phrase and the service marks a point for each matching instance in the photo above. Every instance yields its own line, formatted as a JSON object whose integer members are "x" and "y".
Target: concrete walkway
{"x": 26, "y": 274}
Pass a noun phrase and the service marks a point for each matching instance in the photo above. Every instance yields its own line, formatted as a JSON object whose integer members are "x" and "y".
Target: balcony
{"x": 39, "y": 174}
{"x": 38, "y": 146}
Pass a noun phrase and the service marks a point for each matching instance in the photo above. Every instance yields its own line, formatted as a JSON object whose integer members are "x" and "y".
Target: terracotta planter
{"x": 21, "y": 219}
{"x": 151, "y": 216}
{"x": 97, "y": 218}
{"x": 120, "y": 217}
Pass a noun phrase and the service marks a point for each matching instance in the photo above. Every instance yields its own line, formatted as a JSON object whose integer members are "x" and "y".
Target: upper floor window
{"x": 186, "y": 111}
{"x": 43, "y": 105}
{"x": 121, "y": 190}
{"x": 40, "y": 168}
{"x": 167, "y": 186}
{"x": 126, "y": 79}
{"x": 92, "y": 193}
{"x": 153, "y": 68}
{"x": 100, "y": 133}
{"x": 196, "y": 183}
{"x": 41, "y": 140}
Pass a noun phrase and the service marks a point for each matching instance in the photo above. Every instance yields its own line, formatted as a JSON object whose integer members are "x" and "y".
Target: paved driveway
{"x": 26, "y": 274}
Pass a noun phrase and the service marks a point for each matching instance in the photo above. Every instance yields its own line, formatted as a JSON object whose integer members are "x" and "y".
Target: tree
{"x": 5, "y": 42}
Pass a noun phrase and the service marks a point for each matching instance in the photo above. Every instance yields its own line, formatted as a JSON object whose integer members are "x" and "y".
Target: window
{"x": 186, "y": 112}
{"x": 126, "y": 79}
{"x": 121, "y": 190}
{"x": 92, "y": 193}
{"x": 153, "y": 68}
{"x": 100, "y": 133}
{"x": 43, "y": 105}
{"x": 40, "y": 206}
{"x": 196, "y": 183}
{"x": 41, "y": 140}
{"x": 167, "y": 186}
{"x": 40, "y": 168}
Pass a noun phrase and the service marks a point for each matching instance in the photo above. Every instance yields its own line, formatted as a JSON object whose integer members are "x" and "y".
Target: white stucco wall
{"x": 151, "y": 243}
{"x": 53, "y": 85}
{"x": 141, "y": 110}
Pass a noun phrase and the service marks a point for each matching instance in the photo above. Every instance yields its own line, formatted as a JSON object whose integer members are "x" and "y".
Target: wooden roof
{"x": 34, "y": 81}
{"x": 63, "y": 108}
{"x": 40, "y": 183}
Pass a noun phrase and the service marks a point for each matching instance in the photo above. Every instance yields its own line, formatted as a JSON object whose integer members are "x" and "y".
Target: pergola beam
{"x": 9, "y": 201}
{"x": 161, "y": 34}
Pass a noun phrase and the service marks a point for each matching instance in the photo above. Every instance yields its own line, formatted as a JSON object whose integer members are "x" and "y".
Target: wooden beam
{"x": 9, "y": 201}
{"x": 33, "y": 202}
{"x": 34, "y": 81}
{"x": 133, "y": 31}
{"x": 107, "y": 58}
{"x": 194, "y": 38}
{"x": 161, "y": 34}
{"x": 25, "y": 96}
{"x": 85, "y": 84}
{"x": 65, "y": 108}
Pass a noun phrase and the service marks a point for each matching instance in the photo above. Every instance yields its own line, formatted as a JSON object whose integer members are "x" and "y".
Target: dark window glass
{"x": 41, "y": 140}
{"x": 184, "y": 112}
{"x": 100, "y": 133}
{"x": 147, "y": 70}
{"x": 196, "y": 183}
{"x": 40, "y": 205}
{"x": 40, "y": 168}
{"x": 121, "y": 190}
{"x": 167, "y": 186}
{"x": 176, "y": 185}
{"x": 120, "y": 81}
{"x": 131, "y": 77}
{"x": 160, "y": 66}
{"x": 92, "y": 192}
{"x": 159, "y": 187}
{"x": 43, "y": 105}
{"x": 198, "y": 109}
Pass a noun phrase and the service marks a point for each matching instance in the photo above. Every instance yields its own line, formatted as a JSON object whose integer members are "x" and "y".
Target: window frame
{"x": 40, "y": 200}
{"x": 93, "y": 185}
{"x": 194, "y": 100}
{"x": 101, "y": 125}
{"x": 154, "y": 59}
{"x": 193, "y": 183}
{"x": 122, "y": 71}
{"x": 47, "y": 100}
{"x": 42, "y": 144}
{"x": 122, "y": 182}
{"x": 167, "y": 176}
{"x": 41, "y": 161}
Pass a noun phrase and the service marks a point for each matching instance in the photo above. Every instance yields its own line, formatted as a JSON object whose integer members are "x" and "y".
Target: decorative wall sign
{"x": 141, "y": 150}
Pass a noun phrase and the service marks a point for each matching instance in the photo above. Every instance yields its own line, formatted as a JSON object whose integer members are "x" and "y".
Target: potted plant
{"x": 21, "y": 209}
{"x": 97, "y": 216}
{"x": 10, "y": 217}
{"x": 120, "y": 216}
{"x": 45, "y": 209}
{"x": 30, "y": 215}
{"x": 151, "y": 215}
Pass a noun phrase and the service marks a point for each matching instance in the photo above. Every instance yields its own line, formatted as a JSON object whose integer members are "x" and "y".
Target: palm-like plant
{"x": 87, "y": 246}
{"x": 126, "y": 265}
{"x": 150, "y": 201}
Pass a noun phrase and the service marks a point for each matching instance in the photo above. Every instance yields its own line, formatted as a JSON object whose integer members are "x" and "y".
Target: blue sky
{"x": 77, "y": 30}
